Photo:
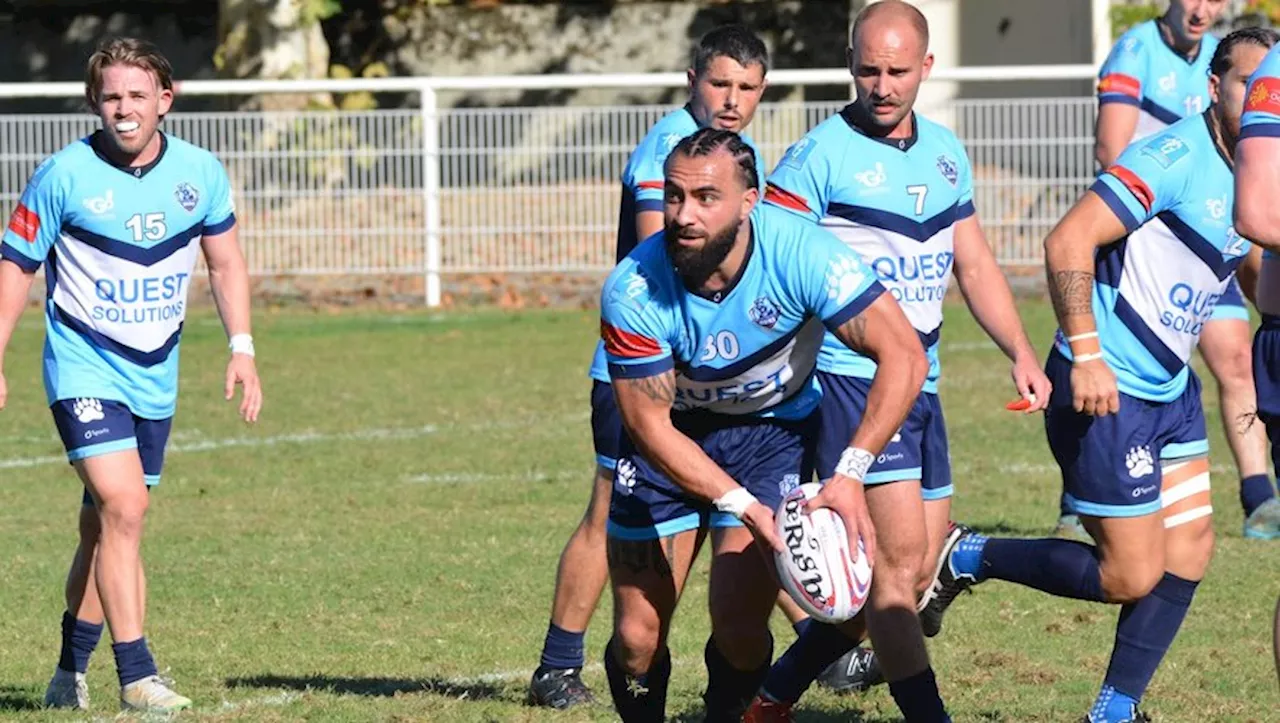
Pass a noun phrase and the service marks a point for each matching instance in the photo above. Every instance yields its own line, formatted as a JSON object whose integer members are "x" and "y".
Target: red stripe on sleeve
{"x": 1136, "y": 186}
{"x": 1121, "y": 83}
{"x": 786, "y": 199}
{"x": 651, "y": 185}
{"x": 626, "y": 344}
{"x": 25, "y": 223}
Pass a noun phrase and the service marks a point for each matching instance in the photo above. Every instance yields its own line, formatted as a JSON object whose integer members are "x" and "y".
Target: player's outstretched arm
{"x": 1069, "y": 261}
{"x": 229, "y": 280}
{"x": 645, "y": 406}
{"x": 1257, "y": 215}
{"x": 881, "y": 332}
{"x": 987, "y": 293}
{"x": 15, "y": 283}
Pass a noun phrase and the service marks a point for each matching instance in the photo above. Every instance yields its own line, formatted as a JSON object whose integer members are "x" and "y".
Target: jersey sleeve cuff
{"x": 24, "y": 262}
{"x": 1121, "y": 98}
{"x": 1116, "y": 204}
{"x": 855, "y": 307}
{"x": 640, "y": 370}
{"x": 965, "y": 210}
{"x": 221, "y": 227}
{"x": 1260, "y": 130}
{"x": 649, "y": 204}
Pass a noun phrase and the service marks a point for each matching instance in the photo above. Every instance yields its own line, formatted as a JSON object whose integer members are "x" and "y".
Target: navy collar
{"x": 852, "y": 117}
{"x": 96, "y": 142}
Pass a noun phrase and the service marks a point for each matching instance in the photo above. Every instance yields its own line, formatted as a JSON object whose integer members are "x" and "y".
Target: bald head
{"x": 894, "y": 14}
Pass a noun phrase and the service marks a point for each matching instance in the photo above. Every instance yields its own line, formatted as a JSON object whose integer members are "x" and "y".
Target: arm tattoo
{"x": 637, "y": 556}
{"x": 1072, "y": 292}
{"x": 854, "y": 333}
{"x": 660, "y": 388}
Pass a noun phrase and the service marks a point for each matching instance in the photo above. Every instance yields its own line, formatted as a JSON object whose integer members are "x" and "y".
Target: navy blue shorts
{"x": 919, "y": 451}
{"x": 92, "y": 427}
{"x": 606, "y": 424}
{"x": 1266, "y": 377}
{"x": 1111, "y": 465}
{"x": 768, "y": 457}
{"x": 1231, "y": 304}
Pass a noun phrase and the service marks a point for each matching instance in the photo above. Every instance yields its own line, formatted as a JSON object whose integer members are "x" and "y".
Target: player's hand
{"x": 1093, "y": 388}
{"x": 846, "y": 497}
{"x": 1031, "y": 382}
{"x": 242, "y": 370}
{"x": 759, "y": 520}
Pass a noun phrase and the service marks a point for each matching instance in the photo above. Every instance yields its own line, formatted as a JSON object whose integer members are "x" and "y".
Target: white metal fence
{"x": 527, "y": 189}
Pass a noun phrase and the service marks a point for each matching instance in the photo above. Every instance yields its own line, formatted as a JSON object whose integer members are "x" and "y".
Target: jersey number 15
{"x": 148, "y": 227}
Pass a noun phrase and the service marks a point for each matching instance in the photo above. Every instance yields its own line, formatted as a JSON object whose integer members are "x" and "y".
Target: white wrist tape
{"x": 242, "y": 344}
{"x": 1086, "y": 357}
{"x": 735, "y": 501}
{"x": 1082, "y": 337}
{"x": 854, "y": 462}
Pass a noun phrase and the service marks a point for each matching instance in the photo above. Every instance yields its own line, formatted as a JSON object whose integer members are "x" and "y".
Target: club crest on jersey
{"x": 187, "y": 196}
{"x": 948, "y": 169}
{"x": 764, "y": 312}
{"x": 798, "y": 153}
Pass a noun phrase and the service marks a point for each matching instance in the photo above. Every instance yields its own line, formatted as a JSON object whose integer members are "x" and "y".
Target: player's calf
{"x": 743, "y": 592}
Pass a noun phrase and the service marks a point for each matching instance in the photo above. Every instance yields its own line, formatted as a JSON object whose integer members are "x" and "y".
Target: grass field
{"x": 382, "y": 545}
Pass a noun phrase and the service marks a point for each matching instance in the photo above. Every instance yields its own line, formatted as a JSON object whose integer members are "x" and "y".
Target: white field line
{"x": 447, "y": 478}
{"x": 308, "y": 437}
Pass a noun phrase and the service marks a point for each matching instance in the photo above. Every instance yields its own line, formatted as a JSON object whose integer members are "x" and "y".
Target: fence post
{"x": 431, "y": 191}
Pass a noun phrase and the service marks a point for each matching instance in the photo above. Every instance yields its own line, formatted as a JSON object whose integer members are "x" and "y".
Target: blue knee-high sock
{"x": 133, "y": 661}
{"x": 1059, "y": 567}
{"x": 79, "y": 638}
{"x": 1143, "y": 636}
{"x": 729, "y": 690}
{"x": 918, "y": 698}
{"x": 820, "y": 645}
{"x": 640, "y": 698}
{"x": 562, "y": 649}
{"x": 1254, "y": 491}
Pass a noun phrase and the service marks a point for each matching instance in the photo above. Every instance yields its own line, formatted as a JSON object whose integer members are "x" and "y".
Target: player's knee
{"x": 1130, "y": 583}
{"x": 122, "y": 514}
{"x": 1192, "y": 549}
{"x": 1233, "y": 368}
{"x": 637, "y": 640}
{"x": 901, "y": 577}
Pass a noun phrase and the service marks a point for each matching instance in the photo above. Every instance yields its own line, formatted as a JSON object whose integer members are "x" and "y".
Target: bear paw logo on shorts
{"x": 624, "y": 476}
{"x": 87, "y": 410}
{"x": 1139, "y": 462}
{"x": 789, "y": 483}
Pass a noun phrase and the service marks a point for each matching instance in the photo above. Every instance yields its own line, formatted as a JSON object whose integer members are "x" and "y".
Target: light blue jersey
{"x": 121, "y": 244}
{"x": 752, "y": 352}
{"x": 1155, "y": 289}
{"x": 896, "y": 202}
{"x": 1262, "y": 106}
{"x": 642, "y": 182}
{"x": 1143, "y": 71}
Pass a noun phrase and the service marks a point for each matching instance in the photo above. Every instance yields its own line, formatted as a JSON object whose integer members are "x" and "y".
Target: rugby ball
{"x": 818, "y": 569}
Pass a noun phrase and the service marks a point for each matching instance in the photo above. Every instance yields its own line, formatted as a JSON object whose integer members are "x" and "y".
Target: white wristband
{"x": 1082, "y": 337}
{"x": 854, "y": 462}
{"x": 735, "y": 501}
{"x": 1086, "y": 357}
{"x": 242, "y": 344}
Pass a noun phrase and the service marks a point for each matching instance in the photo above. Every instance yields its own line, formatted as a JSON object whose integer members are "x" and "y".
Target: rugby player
{"x": 118, "y": 218}
{"x": 1257, "y": 217}
{"x": 897, "y": 188}
{"x": 726, "y": 81}
{"x": 712, "y": 330}
{"x": 1134, "y": 270}
{"x": 1157, "y": 74}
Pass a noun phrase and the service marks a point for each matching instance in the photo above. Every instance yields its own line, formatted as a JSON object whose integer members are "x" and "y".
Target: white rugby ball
{"x": 818, "y": 569}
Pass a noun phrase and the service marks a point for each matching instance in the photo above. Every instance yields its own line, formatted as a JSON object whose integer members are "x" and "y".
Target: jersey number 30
{"x": 148, "y": 227}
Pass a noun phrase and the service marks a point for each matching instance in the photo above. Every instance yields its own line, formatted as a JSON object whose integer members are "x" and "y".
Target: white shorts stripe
{"x": 1182, "y": 518}
{"x": 1183, "y": 490}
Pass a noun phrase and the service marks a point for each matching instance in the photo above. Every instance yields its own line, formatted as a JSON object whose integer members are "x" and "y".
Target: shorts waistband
{"x": 1270, "y": 322}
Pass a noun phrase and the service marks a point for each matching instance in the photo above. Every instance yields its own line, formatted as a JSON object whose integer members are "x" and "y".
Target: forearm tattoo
{"x": 1072, "y": 293}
